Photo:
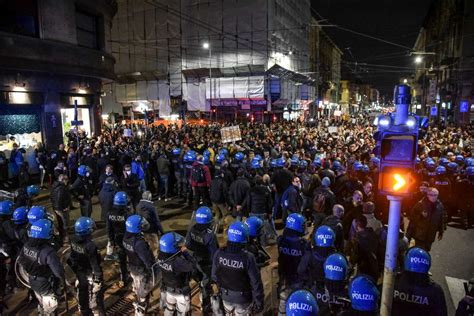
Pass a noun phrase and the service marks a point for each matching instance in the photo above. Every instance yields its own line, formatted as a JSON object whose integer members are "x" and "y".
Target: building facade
{"x": 53, "y": 54}
{"x": 222, "y": 58}
{"x": 444, "y": 79}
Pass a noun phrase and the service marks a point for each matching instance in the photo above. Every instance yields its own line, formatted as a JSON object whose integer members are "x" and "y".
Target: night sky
{"x": 397, "y": 21}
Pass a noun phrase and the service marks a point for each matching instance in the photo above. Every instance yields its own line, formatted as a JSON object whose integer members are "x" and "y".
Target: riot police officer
{"x": 301, "y": 303}
{"x": 465, "y": 198}
{"x": 291, "y": 247}
{"x": 202, "y": 241}
{"x": 235, "y": 272}
{"x": 82, "y": 189}
{"x": 336, "y": 270}
{"x": 176, "y": 266}
{"x": 85, "y": 262}
{"x": 415, "y": 293}
{"x": 20, "y": 222}
{"x": 7, "y": 248}
{"x": 255, "y": 225}
{"x": 46, "y": 273}
{"x": 115, "y": 231}
{"x": 140, "y": 261}
{"x": 311, "y": 267}
{"x": 364, "y": 297}
{"x": 178, "y": 167}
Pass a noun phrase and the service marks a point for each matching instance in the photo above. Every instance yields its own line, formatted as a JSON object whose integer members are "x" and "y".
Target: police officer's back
{"x": 140, "y": 261}
{"x": 415, "y": 293}
{"x": 85, "y": 262}
{"x": 255, "y": 226}
{"x": 235, "y": 272}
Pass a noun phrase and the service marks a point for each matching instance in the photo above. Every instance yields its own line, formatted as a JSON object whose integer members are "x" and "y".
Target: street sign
{"x": 230, "y": 134}
{"x": 396, "y": 181}
{"x": 464, "y": 106}
{"x": 434, "y": 111}
{"x": 77, "y": 123}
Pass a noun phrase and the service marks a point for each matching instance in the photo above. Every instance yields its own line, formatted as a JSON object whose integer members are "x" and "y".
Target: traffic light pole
{"x": 391, "y": 254}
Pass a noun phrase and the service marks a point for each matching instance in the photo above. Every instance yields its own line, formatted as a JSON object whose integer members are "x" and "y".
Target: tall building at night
{"x": 52, "y": 53}
{"x": 224, "y": 58}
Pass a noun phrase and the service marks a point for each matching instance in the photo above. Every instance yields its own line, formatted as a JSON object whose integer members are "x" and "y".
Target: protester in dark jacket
{"x": 292, "y": 201}
{"x": 61, "y": 200}
{"x": 335, "y": 222}
{"x": 353, "y": 209}
{"x": 218, "y": 194}
{"x": 325, "y": 204}
{"x": 130, "y": 183}
{"x": 238, "y": 194}
{"x": 259, "y": 199}
{"x": 163, "y": 166}
{"x": 109, "y": 172}
{"x": 106, "y": 197}
{"x": 428, "y": 217}
{"x": 147, "y": 210}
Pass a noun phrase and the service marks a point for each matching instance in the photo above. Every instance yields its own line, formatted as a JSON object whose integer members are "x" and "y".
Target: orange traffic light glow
{"x": 400, "y": 182}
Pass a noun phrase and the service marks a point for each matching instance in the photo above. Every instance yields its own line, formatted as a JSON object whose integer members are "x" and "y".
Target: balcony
{"x": 22, "y": 53}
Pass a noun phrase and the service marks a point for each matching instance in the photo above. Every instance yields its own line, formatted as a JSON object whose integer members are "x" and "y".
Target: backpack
{"x": 319, "y": 203}
{"x": 197, "y": 174}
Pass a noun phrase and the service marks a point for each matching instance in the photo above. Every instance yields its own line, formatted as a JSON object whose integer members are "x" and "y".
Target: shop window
{"x": 87, "y": 30}
{"x": 19, "y": 17}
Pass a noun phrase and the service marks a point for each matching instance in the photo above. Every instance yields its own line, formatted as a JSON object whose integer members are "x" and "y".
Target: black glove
{"x": 257, "y": 307}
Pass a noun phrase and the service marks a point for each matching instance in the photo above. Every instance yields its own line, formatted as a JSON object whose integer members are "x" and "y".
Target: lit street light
{"x": 205, "y": 45}
{"x": 418, "y": 59}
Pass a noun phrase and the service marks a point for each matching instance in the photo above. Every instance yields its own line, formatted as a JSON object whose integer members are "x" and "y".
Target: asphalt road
{"x": 452, "y": 259}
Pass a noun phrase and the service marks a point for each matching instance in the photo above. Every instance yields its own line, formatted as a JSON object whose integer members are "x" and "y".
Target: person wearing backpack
{"x": 218, "y": 195}
{"x": 323, "y": 201}
{"x": 200, "y": 182}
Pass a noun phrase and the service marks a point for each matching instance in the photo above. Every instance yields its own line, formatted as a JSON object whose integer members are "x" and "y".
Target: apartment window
{"x": 86, "y": 29}
{"x": 19, "y": 17}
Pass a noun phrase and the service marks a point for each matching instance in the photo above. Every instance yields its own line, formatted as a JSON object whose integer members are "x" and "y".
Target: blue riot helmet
{"x": 239, "y": 156}
{"x": 176, "y": 151}
{"x": 254, "y": 224}
{"x": 203, "y": 215}
{"x": 357, "y": 166}
{"x": 470, "y": 171}
{"x": 452, "y": 167}
{"x": 120, "y": 199}
{"x": 324, "y": 236}
{"x": 295, "y": 221}
{"x": 6, "y": 208}
{"x": 170, "y": 242}
{"x": 190, "y": 156}
{"x": 205, "y": 160}
{"x": 258, "y": 157}
{"x": 41, "y": 229}
{"x": 224, "y": 152}
{"x": 238, "y": 232}
{"x": 255, "y": 164}
{"x": 440, "y": 170}
{"x": 20, "y": 215}
{"x": 206, "y": 153}
{"x": 459, "y": 159}
{"x": 375, "y": 161}
{"x": 336, "y": 165}
{"x": 301, "y": 303}
{"x": 363, "y": 294}
{"x": 36, "y": 213}
{"x": 84, "y": 226}
{"x": 469, "y": 162}
{"x": 365, "y": 169}
{"x": 133, "y": 224}
{"x": 317, "y": 162}
{"x": 280, "y": 162}
{"x": 294, "y": 161}
{"x": 220, "y": 158}
{"x": 32, "y": 190}
{"x": 83, "y": 170}
{"x": 273, "y": 163}
{"x": 429, "y": 163}
{"x": 335, "y": 267}
{"x": 303, "y": 164}
{"x": 417, "y": 260}
{"x": 443, "y": 161}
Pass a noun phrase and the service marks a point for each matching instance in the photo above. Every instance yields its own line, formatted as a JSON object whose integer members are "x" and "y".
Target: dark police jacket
{"x": 176, "y": 272}
{"x": 85, "y": 256}
{"x": 39, "y": 259}
{"x": 311, "y": 267}
{"x": 417, "y": 295}
{"x": 236, "y": 273}
{"x": 138, "y": 252}
{"x": 290, "y": 251}
{"x": 116, "y": 224}
{"x": 202, "y": 241}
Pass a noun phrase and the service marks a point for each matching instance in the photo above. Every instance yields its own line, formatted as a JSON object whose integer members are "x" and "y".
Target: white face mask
{"x": 88, "y": 174}
{"x": 128, "y": 172}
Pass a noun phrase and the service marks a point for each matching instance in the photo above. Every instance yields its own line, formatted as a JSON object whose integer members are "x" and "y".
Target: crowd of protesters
{"x": 322, "y": 185}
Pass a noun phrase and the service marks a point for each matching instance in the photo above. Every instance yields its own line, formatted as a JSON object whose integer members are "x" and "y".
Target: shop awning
{"x": 240, "y": 71}
{"x": 278, "y": 71}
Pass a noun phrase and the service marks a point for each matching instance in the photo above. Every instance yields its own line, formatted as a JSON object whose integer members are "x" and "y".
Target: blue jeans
{"x": 164, "y": 185}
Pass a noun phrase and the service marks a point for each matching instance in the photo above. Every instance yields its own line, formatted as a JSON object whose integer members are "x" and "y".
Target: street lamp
{"x": 418, "y": 59}
{"x": 207, "y": 45}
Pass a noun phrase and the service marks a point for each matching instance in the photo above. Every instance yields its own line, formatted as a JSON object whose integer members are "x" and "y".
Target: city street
{"x": 452, "y": 264}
